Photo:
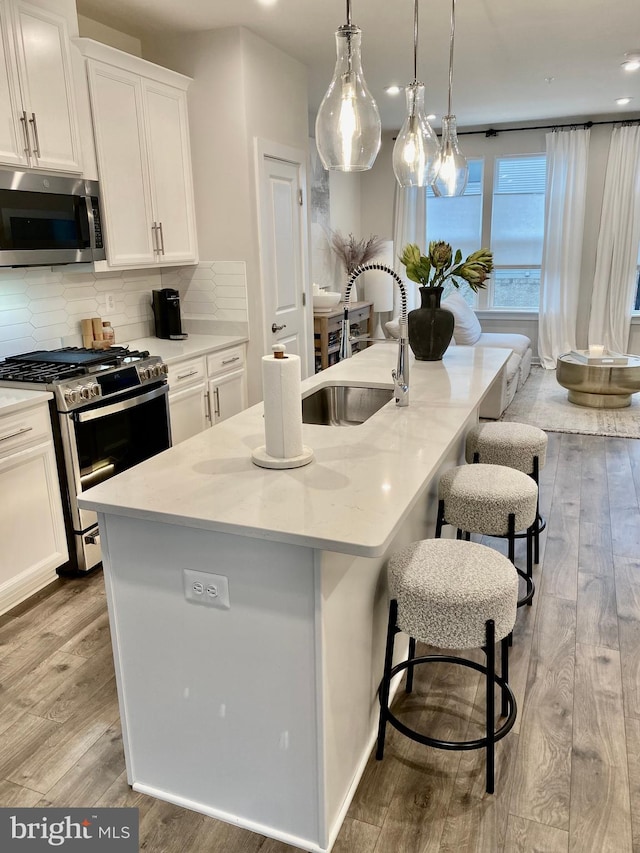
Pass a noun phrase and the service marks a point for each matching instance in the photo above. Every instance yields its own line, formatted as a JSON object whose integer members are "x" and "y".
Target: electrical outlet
{"x": 206, "y": 589}
{"x": 110, "y": 303}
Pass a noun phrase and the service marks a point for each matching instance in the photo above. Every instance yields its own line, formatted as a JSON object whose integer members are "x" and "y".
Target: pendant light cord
{"x": 453, "y": 30}
{"x": 349, "y": 13}
{"x": 415, "y": 41}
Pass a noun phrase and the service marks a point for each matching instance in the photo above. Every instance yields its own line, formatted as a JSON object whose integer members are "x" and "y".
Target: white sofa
{"x": 468, "y": 332}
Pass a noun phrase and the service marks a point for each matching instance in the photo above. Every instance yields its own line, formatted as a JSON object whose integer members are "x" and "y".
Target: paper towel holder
{"x": 260, "y": 457}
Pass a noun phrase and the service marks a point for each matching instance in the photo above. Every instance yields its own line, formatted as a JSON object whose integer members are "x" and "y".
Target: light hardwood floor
{"x": 568, "y": 775}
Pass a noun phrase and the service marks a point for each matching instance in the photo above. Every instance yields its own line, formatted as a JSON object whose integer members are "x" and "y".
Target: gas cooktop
{"x": 77, "y": 376}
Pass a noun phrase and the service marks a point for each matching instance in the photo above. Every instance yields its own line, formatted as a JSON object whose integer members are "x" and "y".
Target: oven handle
{"x": 132, "y": 402}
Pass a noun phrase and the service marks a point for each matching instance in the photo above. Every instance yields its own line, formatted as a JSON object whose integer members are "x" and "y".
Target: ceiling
{"x": 515, "y": 60}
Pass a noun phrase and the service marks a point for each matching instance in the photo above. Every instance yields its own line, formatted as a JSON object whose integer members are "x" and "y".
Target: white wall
{"x": 107, "y": 35}
{"x": 243, "y": 88}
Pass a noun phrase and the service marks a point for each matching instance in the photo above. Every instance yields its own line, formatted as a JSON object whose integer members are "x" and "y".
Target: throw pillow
{"x": 467, "y": 329}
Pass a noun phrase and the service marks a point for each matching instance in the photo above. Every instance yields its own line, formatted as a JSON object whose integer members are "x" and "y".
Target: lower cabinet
{"x": 206, "y": 390}
{"x": 32, "y": 529}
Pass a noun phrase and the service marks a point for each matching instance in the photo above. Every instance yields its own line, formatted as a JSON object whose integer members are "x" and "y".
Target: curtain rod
{"x": 575, "y": 124}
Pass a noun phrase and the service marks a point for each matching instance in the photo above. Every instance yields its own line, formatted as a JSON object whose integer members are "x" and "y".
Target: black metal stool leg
{"x": 536, "y": 540}
{"x": 386, "y": 678}
{"x": 504, "y": 660}
{"x": 511, "y": 537}
{"x": 491, "y": 652}
{"x": 440, "y": 519}
{"x": 530, "y": 541}
{"x": 412, "y": 654}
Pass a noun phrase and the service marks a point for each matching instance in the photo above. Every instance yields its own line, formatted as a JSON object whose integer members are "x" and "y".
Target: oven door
{"x": 105, "y": 438}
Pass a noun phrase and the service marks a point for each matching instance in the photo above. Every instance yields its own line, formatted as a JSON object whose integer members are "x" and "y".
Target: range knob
{"x": 85, "y": 392}
{"x": 72, "y": 395}
{"x": 164, "y": 368}
{"x": 156, "y": 370}
{"x": 144, "y": 373}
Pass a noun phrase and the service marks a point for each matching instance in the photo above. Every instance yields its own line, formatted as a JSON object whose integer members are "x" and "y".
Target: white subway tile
{"x": 48, "y": 318}
{"x": 53, "y": 303}
{"x": 72, "y": 293}
{"x": 9, "y": 301}
{"x": 50, "y": 332}
{"x": 15, "y": 315}
{"x": 234, "y": 267}
{"x": 16, "y": 331}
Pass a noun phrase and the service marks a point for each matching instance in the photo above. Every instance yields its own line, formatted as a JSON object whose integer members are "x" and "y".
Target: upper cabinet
{"x": 38, "y": 121}
{"x": 144, "y": 160}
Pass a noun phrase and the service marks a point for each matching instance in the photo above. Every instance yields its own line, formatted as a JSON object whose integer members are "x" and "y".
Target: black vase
{"x": 430, "y": 327}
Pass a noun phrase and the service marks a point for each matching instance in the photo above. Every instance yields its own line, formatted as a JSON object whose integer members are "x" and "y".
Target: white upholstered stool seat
{"x": 491, "y": 500}
{"x": 479, "y": 498}
{"x": 452, "y": 594}
{"x": 512, "y": 444}
{"x": 446, "y": 590}
{"x": 519, "y": 446}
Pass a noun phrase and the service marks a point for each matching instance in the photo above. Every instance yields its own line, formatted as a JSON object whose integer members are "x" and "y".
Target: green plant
{"x": 440, "y": 264}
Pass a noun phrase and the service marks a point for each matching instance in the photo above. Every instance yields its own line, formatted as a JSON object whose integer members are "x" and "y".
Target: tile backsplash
{"x": 41, "y": 308}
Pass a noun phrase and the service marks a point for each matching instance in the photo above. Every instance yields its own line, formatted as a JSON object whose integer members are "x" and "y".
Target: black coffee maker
{"x": 166, "y": 311}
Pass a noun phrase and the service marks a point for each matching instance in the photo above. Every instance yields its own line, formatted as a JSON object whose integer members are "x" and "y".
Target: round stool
{"x": 453, "y": 595}
{"x": 491, "y": 500}
{"x": 515, "y": 445}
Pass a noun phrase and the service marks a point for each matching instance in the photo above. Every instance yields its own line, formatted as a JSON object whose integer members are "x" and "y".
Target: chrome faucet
{"x": 401, "y": 374}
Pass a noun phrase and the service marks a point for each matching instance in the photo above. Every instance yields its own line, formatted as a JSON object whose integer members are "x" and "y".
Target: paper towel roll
{"x": 282, "y": 413}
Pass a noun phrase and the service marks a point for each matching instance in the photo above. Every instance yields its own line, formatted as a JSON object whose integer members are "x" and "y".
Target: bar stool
{"x": 519, "y": 446}
{"x": 452, "y": 595}
{"x": 492, "y": 500}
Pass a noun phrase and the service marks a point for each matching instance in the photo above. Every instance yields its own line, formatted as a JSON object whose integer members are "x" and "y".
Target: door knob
{"x": 275, "y": 328}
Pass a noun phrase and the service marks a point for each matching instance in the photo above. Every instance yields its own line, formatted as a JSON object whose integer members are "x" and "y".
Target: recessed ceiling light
{"x": 632, "y": 61}
{"x": 267, "y": 2}
{"x": 431, "y": 117}
{"x": 621, "y": 102}
{"x": 393, "y": 90}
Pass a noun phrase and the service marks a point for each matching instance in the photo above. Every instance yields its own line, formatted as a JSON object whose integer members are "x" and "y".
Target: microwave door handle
{"x": 86, "y": 223}
{"x": 36, "y": 139}
{"x": 25, "y": 129}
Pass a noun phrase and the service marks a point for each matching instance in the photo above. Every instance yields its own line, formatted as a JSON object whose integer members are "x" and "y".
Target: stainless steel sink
{"x": 343, "y": 405}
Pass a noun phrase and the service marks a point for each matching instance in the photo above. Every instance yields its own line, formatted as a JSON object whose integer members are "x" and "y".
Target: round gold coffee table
{"x": 599, "y": 386}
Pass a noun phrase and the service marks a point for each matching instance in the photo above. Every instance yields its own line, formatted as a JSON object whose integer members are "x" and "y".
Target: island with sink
{"x": 248, "y": 606}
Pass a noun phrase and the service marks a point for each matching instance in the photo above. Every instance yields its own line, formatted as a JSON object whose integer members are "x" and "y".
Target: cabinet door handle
{"x": 185, "y": 375}
{"x": 154, "y": 232}
{"x": 275, "y": 328}
{"x": 14, "y": 434}
{"x": 161, "y": 233}
{"x": 25, "y": 128}
{"x": 216, "y": 395}
{"x": 230, "y": 360}
{"x": 36, "y": 139}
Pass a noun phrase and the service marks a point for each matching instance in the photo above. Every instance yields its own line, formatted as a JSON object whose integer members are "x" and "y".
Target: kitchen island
{"x": 263, "y": 712}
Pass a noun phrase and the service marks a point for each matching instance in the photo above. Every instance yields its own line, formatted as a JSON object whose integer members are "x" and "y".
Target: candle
{"x": 596, "y": 349}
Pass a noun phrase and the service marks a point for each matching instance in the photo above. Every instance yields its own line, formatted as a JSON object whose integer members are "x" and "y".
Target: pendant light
{"x": 348, "y": 122}
{"x": 416, "y": 150}
{"x": 453, "y": 173}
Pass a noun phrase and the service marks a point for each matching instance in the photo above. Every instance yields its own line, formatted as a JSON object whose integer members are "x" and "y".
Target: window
{"x": 513, "y": 227}
{"x": 517, "y": 230}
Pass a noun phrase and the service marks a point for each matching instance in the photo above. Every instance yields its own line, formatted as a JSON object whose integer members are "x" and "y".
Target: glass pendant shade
{"x": 416, "y": 150}
{"x": 453, "y": 172}
{"x": 348, "y": 122}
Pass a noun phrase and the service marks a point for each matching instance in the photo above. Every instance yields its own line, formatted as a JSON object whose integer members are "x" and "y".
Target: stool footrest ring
{"x": 478, "y": 743}
{"x": 531, "y": 588}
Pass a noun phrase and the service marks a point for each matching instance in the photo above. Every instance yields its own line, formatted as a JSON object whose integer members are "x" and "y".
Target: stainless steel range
{"x": 110, "y": 412}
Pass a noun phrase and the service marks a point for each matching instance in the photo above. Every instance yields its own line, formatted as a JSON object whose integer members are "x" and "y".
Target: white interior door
{"x": 283, "y": 258}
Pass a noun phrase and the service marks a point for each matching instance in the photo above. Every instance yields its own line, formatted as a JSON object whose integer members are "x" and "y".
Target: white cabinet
{"x": 144, "y": 159}
{"x": 38, "y": 121}
{"x": 31, "y": 521}
{"x": 228, "y": 387}
{"x": 188, "y": 403}
{"x": 204, "y": 391}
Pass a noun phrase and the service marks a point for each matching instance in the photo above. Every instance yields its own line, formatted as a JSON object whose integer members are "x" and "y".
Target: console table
{"x": 327, "y": 331}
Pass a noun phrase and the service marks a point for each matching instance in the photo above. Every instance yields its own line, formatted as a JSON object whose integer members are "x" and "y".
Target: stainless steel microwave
{"x": 49, "y": 219}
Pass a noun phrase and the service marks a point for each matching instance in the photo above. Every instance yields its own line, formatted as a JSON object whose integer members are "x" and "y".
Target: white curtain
{"x": 567, "y": 156}
{"x": 409, "y": 226}
{"x": 617, "y": 249}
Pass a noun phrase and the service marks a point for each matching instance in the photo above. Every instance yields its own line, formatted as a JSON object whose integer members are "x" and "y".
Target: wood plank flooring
{"x": 568, "y": 775}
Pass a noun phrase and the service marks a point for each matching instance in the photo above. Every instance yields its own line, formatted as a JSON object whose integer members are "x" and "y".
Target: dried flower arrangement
{"x": 353, "y": 253}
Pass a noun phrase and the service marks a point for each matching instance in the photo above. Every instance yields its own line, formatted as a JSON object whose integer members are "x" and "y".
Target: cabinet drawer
{"x": 225, "y": 360}
{"x": 23, "y": 428}
{"x": 186, "y": 372}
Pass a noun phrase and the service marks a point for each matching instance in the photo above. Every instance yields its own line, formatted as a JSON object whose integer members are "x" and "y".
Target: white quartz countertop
{"x": 194, "y": 345}
{"x": 17, "y": 399}
{"x": 356, "y": 492}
